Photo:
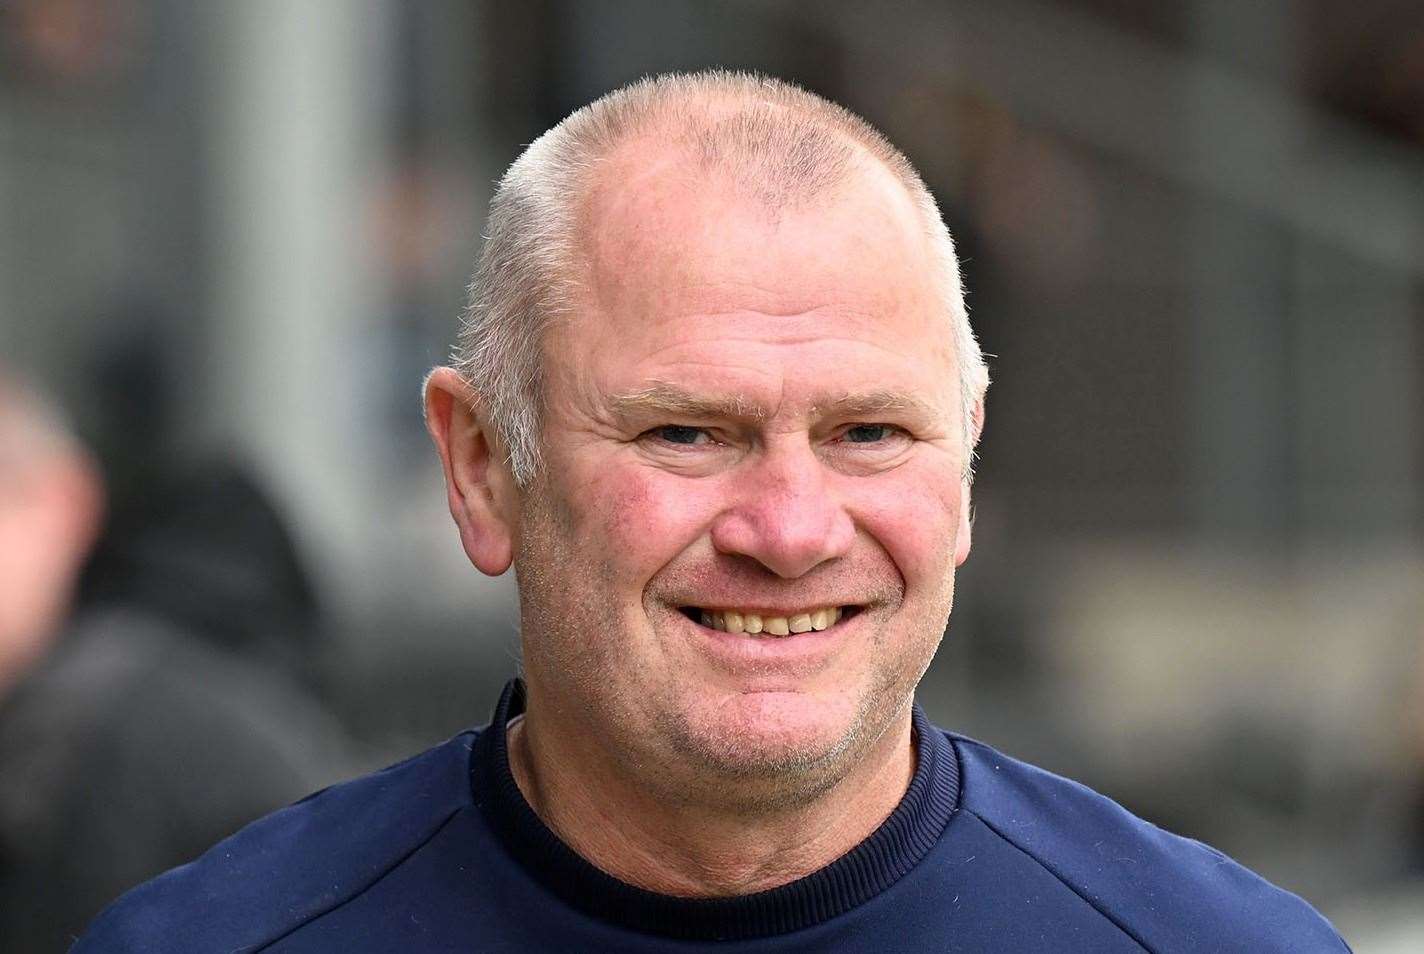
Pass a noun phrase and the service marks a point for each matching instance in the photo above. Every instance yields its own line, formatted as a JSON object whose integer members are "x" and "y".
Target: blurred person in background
{"x": 129, "y": 738}
{"x": 716, "y": 402}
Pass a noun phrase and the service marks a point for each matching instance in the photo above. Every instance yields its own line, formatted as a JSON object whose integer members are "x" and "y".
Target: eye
{"x": 868, "y": 433}
{"x": 679, "y": 434}
{"x": 868, "y": 448}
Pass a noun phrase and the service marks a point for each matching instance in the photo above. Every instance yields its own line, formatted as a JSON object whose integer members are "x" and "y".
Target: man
{"x": 127, "y": 744}
{"x": 715, "y": 402}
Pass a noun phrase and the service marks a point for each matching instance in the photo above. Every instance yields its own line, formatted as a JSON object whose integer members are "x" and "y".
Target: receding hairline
{"x": 694, "y": 117}
{"x": 665, "y": 139}
{"x": 648, "y": 154}
{"x": 704, "y": 100}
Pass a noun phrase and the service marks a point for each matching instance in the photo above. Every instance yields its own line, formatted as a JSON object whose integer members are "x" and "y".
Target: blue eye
{"x": 867, "y": 433}
{"x": 679, "y": 433}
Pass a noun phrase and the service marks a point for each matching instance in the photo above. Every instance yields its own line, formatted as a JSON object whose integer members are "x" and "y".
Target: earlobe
{"x": 477, "y": 480}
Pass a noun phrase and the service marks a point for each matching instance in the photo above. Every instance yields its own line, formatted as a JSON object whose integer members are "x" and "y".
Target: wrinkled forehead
{"x": 628, "y": 188}
{"x": 657, "y": 237}
{"x": 700, "y": 280}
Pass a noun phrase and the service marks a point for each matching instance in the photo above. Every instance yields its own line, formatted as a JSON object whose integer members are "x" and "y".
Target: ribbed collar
{"x": 860, "y": 874}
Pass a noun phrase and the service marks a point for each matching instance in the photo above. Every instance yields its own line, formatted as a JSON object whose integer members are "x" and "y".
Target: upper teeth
{"x": 733, "y": 621}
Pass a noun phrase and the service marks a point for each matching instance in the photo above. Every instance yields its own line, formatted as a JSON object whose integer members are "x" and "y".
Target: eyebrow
{"x": 663, "y": 398}
{"x": 870, "y": 403}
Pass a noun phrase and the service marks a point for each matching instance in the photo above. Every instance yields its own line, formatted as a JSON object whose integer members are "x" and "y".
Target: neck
{"x": 623, "y": 824}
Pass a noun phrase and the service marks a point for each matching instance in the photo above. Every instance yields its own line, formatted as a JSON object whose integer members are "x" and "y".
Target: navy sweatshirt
{"x": 442, "y": 853}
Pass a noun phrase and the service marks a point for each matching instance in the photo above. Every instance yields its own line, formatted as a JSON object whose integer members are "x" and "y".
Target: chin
{"x": 773, "y": 735}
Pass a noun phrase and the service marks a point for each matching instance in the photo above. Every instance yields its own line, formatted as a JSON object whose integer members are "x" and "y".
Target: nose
{"x": 784, "y": 515}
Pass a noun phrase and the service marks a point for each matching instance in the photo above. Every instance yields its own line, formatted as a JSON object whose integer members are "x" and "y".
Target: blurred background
{"x": 233, "y": 236}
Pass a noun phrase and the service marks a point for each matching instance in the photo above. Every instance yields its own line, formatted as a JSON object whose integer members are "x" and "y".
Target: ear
{"x": 965, "y": 534}
{"x": 478, "y": 482}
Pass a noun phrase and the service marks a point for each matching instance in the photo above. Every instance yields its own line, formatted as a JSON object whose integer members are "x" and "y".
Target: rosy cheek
{"x": 629, "y": 512}
{"x": 916, "y": 522}
{"x": 647, "y": 515}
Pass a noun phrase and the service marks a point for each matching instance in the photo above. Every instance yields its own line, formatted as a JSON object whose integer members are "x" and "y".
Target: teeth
{"x": 731, "y": 621}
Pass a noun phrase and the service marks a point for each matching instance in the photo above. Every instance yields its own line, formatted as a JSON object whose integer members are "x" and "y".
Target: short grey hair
{"x": 777, "y": 139}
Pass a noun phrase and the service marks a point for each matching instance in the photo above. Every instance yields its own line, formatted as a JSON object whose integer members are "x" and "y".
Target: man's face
{"x": 751, "y": 415}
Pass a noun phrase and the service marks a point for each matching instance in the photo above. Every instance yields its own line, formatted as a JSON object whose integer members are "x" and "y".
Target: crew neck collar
{"x": 868, "y": 869}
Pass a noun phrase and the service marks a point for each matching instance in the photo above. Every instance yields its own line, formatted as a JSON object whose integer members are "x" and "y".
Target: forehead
{"x": 677, "y": 264}
{"x": 656, "y": 221}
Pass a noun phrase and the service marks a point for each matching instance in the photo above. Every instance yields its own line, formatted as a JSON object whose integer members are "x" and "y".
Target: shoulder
{"x": 294, "y": 865}
{"x": 133, "y": 748}
{"x": 127, "y": 687}
{"x": 1168, "y": 892}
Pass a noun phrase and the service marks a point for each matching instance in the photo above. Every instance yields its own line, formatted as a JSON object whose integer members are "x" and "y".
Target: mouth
{"x": 770, "y": 625}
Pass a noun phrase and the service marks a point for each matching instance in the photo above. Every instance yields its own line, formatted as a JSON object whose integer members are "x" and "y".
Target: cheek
{"x": 636, "y": 520}
{"x": 916, "y": 521}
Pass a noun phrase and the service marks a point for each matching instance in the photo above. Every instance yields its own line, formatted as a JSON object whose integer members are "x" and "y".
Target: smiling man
{"x": 715, "y": 402}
